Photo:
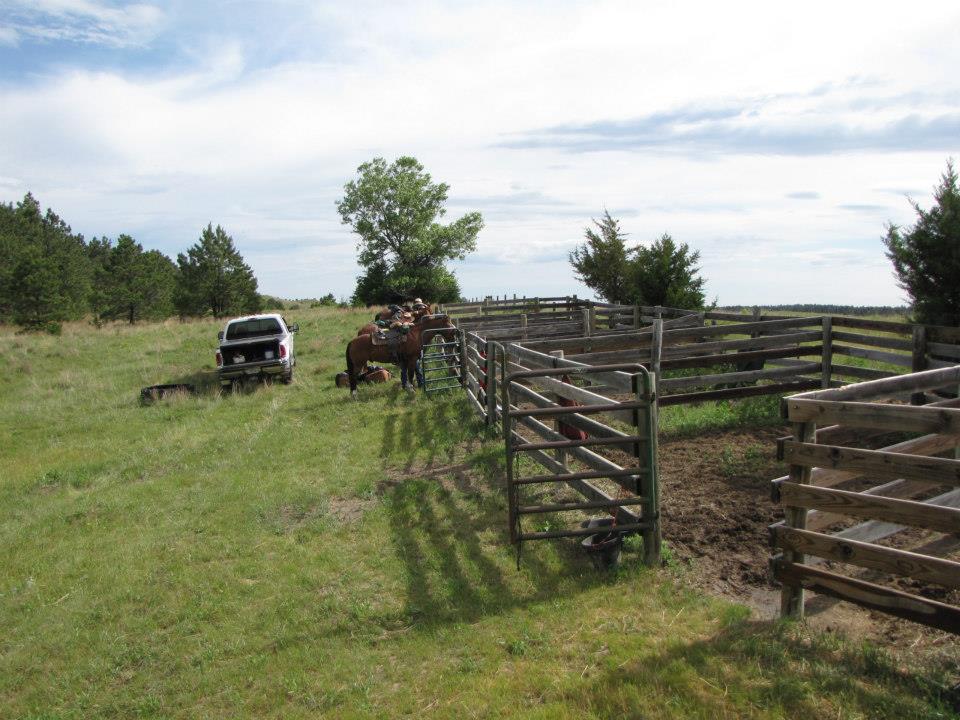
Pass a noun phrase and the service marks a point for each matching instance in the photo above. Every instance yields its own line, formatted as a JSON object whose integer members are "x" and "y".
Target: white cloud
{"x": 265, "y": 147}
{"x": 84, "y": 21}
{"x": 9, "y": 37}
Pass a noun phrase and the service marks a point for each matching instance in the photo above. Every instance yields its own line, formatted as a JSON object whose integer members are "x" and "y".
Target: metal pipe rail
{"x": 437, "y": 362}
{"x": 641, "y": 445}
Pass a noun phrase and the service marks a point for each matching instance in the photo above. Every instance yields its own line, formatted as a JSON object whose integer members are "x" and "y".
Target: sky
{"x": 777, "y": 139}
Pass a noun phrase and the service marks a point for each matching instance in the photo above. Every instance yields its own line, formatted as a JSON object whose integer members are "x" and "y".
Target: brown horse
{"x": 417, "y": 311}
{"x": 361, "y": 350}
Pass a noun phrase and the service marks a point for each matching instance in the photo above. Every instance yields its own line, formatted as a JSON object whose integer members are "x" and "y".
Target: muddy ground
{"x": 716, "y": 507}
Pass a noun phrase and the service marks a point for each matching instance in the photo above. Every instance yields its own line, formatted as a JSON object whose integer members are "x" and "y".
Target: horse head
{"x": 440, "y": 322}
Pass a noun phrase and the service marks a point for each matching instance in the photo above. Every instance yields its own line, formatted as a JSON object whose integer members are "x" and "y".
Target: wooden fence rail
{"x": 912, "y": 499}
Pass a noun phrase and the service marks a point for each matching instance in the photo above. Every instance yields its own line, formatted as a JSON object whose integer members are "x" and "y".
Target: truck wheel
{"x": 287, "y": 377}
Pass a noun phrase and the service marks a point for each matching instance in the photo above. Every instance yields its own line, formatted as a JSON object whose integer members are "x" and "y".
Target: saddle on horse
{"x": 393, "y": 335}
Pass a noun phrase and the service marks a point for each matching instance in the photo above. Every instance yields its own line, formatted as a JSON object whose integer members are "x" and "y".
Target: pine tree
{"x": 214, "y": 278}
{"x": 601, "y": 262}
{"x": 132, "y": 284}
{"x": 45, "y": 275}
{"x": 926, "y": 257}
{"x": 663, "y": 274}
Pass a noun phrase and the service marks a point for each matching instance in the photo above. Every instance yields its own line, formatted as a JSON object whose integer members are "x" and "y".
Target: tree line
{"x": 49, "y": 274}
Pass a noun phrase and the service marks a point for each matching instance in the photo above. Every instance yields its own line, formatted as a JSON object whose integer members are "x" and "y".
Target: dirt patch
{"x": 716, "y": 508}
{"x": 348, "y": 510}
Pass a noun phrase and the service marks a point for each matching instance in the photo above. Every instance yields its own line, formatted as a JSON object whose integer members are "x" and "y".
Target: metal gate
{"x": 637, "y": 483}
{"x": 441, "y": 361}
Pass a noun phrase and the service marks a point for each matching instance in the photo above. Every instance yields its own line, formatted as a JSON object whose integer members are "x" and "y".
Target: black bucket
{"x": 603, "y": 547}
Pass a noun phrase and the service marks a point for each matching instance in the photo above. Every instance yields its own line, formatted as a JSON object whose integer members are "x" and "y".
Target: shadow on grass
{"x": 801, "y": 673}
{"x": 449, "y": 530}
{"x": 447, "y": 513}
{"x": 205, "y": 382}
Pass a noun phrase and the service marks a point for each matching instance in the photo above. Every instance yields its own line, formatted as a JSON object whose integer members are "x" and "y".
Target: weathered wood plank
{"x": 758, "y": 343}
{"x": 867, "y": 555}
{"x": 950, "y": 351}
{"x": 878, "y": 325}
{"x": 741, "y": 357}
{"x": 589, "y": 458}
{"x": 859, "y": 372}
{"x": 873, "y": 530}
{"x": 842, "y": 502}
{"x": 584, "y": 487}
{"x": 619, "y": 381}
{"x": 904, "y": 361}
{"x": 876, "y": 597}
{"x": 582, "y": 422}
{"x": 909, "y": 418}
{"x": 925, "y": 445}
{"x": 878, "y": 463}
{"x": 879, "y": 341}
{"x": 886, "y": 387}
{"x": 734, "y": 393}
{"x": 744, "y": 376}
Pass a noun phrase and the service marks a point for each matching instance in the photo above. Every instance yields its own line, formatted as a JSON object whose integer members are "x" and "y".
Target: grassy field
{"x": 287, "y": 553}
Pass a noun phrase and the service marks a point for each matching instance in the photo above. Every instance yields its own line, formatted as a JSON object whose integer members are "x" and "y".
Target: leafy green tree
{"x": 602, "y": 262}
{"x": 394, "y": 209}
{"x": 44, "y": 269}
{"x": 663, "y": 274}
{"x": 214, "y": 278}
{"x": 926, "y": 257}
{"x": 667, "y": 274}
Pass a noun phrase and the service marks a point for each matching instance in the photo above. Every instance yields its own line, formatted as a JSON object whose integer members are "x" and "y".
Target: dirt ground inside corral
{"x": 716, "y": 508}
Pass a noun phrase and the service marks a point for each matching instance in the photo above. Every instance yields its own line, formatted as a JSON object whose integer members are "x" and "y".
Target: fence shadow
{"x": 797, "y": 669}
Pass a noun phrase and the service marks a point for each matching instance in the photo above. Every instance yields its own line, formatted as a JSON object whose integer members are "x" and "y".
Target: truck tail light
{"x": 219, "y": 359}
{"x": 283, "y": 351}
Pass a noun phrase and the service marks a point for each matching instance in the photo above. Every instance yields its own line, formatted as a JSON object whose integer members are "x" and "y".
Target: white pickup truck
{"x": 256, "y": 346}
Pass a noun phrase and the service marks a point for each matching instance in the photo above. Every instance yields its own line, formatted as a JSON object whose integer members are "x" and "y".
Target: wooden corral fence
{"x": 568, "y": 431}
{"x": 892, "y": 511}
{"x": 715, "y": 355}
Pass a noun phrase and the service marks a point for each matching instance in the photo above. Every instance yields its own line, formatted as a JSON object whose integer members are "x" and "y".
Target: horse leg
{"x": 351, "y": 374}
{"x": 418, "y": 370}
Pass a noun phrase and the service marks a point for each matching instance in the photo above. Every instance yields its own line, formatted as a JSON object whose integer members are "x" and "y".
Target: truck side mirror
{"x": 294, "y": 328}
{"x": 220, "y": 336}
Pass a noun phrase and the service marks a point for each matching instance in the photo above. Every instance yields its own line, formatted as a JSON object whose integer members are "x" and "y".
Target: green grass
{"x": 690, "y": 420}
{"x": 290, "y": 553}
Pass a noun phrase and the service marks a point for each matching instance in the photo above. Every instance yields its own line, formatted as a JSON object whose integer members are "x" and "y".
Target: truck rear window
{"x": 253, "y": 328}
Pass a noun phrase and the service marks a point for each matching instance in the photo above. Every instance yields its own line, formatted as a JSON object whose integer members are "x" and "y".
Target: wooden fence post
{"x": 491, "y": 381}
{"x": 587, "y": 324}
{"x": 919, "y": 360}
{"x": 791, "y": 596}
{"x": 523, "y": 326}
{"x": 826, "y": 357}
{"x": 636, "y": 317}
